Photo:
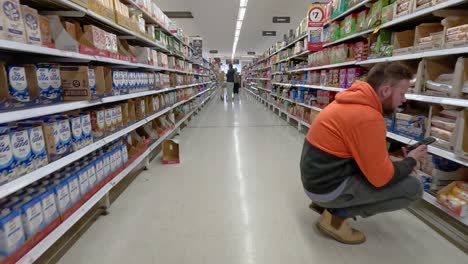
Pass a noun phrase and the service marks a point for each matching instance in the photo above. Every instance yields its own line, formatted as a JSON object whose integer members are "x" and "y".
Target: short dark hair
{"x": 230, "y": 65}
{"x": 388, "y": 72}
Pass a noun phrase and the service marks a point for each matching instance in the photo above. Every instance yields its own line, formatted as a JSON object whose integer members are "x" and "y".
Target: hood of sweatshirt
{"x": 360, "y": 93}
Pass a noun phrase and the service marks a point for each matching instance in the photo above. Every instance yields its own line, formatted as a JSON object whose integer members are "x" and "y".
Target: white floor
{"x": 237, "y": 198}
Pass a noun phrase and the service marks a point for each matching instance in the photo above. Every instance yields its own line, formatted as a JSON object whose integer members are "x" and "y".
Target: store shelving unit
{"x": 271, "y": 99}
{"x": 200, "y": 71}
{"x": 37, "y": 251}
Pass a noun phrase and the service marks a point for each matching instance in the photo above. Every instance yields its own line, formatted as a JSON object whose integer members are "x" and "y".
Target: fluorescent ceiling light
{"x": 237, "y": 34}
{"x": 241, "y": 13}
{"x": 239, "y": 25}
{"x": 243, "y": 3}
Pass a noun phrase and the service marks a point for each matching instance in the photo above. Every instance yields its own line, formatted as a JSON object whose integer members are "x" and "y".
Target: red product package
{"x": 361, "y": 50}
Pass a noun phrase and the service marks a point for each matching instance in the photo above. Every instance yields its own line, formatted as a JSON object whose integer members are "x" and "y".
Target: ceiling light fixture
{"x": 240, "y": 19}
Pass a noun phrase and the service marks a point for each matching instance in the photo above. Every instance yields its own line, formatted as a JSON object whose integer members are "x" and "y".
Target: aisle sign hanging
{"x": 315, "y": 22}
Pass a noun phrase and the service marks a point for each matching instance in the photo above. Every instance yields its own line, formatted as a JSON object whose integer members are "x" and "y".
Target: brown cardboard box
{"x": 75, "y": 83}
{"x": 403, "y": 42}
{"x": 131, "y": 111}
{"x": 171, "y": 152}
{"x": 121, "y": 14}
{"x": 140, "y": 108}
{"x": 425, "y": 30}
{"x": 46, "y": 35}
{"x": 432, "y": 68}
{"x": 125, "y": 116}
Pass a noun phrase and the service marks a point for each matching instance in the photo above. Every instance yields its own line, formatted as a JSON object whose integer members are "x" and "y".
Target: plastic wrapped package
{"x": 361, "y": 20}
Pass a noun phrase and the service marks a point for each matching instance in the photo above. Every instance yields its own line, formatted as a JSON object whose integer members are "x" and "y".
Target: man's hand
{"x": 417, "y": 153}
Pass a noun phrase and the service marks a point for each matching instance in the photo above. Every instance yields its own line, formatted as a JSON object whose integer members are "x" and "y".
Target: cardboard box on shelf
{"x": 75, "y": 83}
{"x": 403, "y": 42}
{"x": 433, "y": 70}
{"x": 428, "y": 36}
{"x": 403, "y": 7}
{"x": 171, "y": 152}
{"x": 46, "y": 35}
{"x": 453, "y": 197}
{"x": 411, "y": 126}
{"x": 32, "y": 25}
{"x": 104, "y": 8}
{"x": 460, "y": 140}
{"x": 122, "y": 16}
{"x": 421, "y": 4}
{"x": 71, "y": 39}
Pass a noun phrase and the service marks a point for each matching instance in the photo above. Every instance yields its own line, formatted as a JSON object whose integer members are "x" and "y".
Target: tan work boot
{"x": 339, "y": 229}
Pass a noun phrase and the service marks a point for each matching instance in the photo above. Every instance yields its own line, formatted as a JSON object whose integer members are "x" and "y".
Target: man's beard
{"x": 387, "y": 107}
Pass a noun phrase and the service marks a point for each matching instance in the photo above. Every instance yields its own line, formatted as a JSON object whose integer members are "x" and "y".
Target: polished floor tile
{"x": 237, "y": 198}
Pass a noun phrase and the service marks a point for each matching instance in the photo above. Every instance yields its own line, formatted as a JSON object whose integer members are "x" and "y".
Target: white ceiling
{"x": 215, "y": 21}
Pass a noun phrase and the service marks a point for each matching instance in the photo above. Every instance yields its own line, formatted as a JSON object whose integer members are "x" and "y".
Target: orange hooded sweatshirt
{"x": 353, "y": 127}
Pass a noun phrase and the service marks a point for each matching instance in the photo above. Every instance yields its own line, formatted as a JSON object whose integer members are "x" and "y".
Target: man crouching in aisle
{"x": 345, "y": 166}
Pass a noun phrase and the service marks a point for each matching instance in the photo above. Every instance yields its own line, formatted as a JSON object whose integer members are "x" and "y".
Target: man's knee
{"x": 413, "y": 189}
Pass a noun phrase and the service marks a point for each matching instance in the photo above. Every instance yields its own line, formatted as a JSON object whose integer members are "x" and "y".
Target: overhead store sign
{"x": 315, "y": 22}
{"x": 251, "y": 53}
{"x": 214, "y": 51}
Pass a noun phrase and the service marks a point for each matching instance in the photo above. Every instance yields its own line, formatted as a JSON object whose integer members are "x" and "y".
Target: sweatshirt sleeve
{"x": 367, "y": 143}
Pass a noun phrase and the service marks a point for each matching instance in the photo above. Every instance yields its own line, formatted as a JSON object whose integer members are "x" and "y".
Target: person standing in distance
{"x": 237, "y": 80}
{"x": 230, "y": 82}
{"x": 345, "y": 167}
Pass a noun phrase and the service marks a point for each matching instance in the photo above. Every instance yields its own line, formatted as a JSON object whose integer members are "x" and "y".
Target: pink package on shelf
{"x": 352, "y": 75}
{"x": 343, "y": 78}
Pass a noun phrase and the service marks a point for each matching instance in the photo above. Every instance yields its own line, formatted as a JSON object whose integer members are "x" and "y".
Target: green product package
{"x": 387, "y": 13}
{"x": 335, "y": 31}
{"x": 382, "y": 47}
{"x": 375, "y": 14}
{"x": 339, "y": 7}
{"x": 349, "y": 25}
{"x": 361, "y": 20}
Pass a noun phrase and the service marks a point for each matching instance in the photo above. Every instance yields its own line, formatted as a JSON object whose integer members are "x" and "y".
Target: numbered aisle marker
{"x": 315, "y": 17}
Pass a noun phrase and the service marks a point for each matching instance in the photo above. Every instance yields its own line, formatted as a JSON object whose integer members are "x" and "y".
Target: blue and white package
{"x": 84, "y": 180}
{"x": 113, "y": 160}
{"x": 7, "y": 160}
{"x": 106, "y": 161}
{"x": 74, "y": 188}
{"x": 64, "y": 134}
{"x": 43, "y": 80}
{"x": 124, "y": 84}
{"x": 11, "y": 232}
{"x": 118, "y": 157}
{"x": 32, "y": 216}
{"x": 55, "y": 82}
{"x": 18, "y": 84}
{"x": 92, "y": 177}
{"x": 87, "y": 129}
{"x": 92, "y": 82}
{"x": 22, "y": 152}
{"x": 116, "y": 82}
{"x": 124, "y": 153}
{"x": 76, "y": 132}
{"x": 151, "y": 82}
{"x": 62, "y": 196}
{"x": 38, "y": 146}
{"x": 99, "y": 167}
{"x": 49, "y": 206}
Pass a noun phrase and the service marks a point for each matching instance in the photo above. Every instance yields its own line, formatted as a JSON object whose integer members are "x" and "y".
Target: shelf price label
{"x": 315, "y": 21}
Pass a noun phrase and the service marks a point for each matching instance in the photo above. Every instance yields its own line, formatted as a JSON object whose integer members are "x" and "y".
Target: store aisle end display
{"x": 299, "y": 80}
{"x": 82, "y": 104}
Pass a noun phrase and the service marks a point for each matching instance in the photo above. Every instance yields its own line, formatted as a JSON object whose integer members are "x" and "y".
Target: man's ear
{"x": 384, "y": 91}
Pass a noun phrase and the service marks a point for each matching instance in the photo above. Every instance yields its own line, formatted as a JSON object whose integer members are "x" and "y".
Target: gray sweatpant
{"x": 360, "y": 198}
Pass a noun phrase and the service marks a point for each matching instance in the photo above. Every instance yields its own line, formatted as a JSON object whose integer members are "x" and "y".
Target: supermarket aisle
{"x": 237, "y": 198}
